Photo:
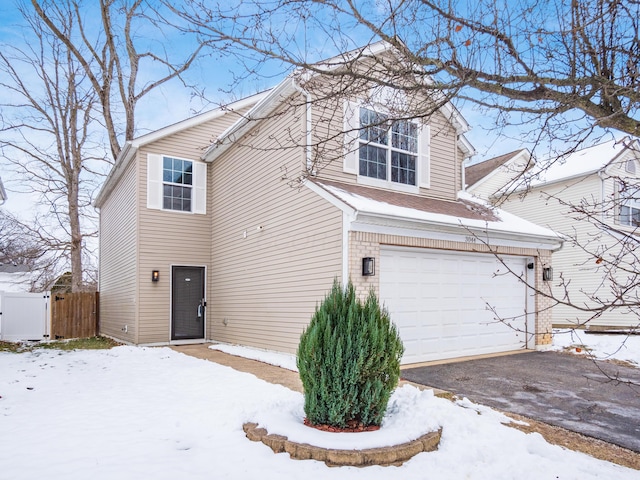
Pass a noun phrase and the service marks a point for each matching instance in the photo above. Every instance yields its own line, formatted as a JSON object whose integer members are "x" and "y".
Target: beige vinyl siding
{"x": 118, "y": 259}
{"x": 328, "y": 123}
{"x": 571, "y": 263}
{"x": 275, "y": 248}
{"x": 168, "y": 237}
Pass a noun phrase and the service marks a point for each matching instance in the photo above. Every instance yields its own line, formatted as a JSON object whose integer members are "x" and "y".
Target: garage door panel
{"x": 441, "y": 302}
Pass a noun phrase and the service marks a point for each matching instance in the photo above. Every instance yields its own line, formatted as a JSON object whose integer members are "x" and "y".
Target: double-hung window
{"x": 385, "y": 152}
{"x": 177, "y": 184}
{"x": 629, "y": 206}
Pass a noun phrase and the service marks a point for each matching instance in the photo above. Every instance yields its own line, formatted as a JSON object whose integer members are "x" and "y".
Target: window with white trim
{"x": 176, "y": 184}
{"x": 629, "y": 206}
{"x": 385, "y": 152}
{"x": 177, "y": 181}
{"x": 630, "y": 166}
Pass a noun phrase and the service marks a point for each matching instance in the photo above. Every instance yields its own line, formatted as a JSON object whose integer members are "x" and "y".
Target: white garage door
{"x": 452, "y": 304}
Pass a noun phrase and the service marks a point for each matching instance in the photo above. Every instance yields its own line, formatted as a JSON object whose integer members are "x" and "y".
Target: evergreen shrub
{"x": 349, "y": 360}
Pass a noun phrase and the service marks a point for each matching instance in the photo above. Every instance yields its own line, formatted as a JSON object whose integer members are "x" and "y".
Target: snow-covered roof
{"x": 581, "y": 162}
{"x": 467, "y": 214}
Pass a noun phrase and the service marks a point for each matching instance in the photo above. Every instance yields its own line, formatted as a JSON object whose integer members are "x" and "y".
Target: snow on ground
{"x": 153, "y": 413}
{"x": 278, "y": 359}
{"x": 598, "y": 345}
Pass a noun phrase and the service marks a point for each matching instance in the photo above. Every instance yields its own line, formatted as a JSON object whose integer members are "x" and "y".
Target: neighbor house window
{"x": 387, "y": 150}
{"x": 177, "y": 184}
{"x": 629, "y": 206}
{"x": 630, "y": 166}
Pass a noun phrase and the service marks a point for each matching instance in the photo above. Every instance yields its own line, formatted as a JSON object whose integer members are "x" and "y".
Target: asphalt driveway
{"x": 560, "y": 389}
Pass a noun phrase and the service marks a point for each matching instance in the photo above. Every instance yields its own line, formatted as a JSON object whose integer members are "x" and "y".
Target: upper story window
{"x": 629, "y": 206}
{"x": 387, "y": 151}
{"x": 177, "y": 181}
{"x": 630, "y": 166}
{"x": 176, "y": 184}
{"x": 382, "y": 152}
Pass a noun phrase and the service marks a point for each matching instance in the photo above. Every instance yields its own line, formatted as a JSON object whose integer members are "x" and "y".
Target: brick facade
{"x": 364, "y": 244}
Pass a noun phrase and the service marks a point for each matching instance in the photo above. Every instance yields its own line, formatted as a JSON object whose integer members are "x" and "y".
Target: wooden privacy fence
{"x": 74, "y": 315}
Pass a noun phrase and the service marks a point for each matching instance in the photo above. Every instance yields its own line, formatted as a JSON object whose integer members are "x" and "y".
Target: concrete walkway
{"x": 264, "y": 371}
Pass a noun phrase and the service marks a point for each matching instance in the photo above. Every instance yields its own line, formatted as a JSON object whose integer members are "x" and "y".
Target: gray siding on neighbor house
{"x": 275, "y": 248}
{"x": 445, "y": 157}
{"x": 578, "y": 269}
{"x": 119, "y": 258}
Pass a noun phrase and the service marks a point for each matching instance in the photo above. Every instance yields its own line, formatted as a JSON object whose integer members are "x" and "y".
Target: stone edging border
{"x": 385, "y": 456}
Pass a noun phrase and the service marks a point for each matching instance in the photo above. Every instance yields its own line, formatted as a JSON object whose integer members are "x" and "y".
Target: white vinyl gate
{"x": 24, "y": 316}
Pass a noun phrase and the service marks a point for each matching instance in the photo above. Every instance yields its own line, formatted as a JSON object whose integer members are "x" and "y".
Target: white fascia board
{"x": 197, "y": 120}
{"x": 465, "y": 145}
{"x": 267, "y": 104}
{"x": 524, "y": 153}
{"x": 332, "y": 199}
{"x": 383, "y": 224}
{"x": 452, "y": 114}
{"x": 127, "y": 154}
{"x": 130, "y": 148}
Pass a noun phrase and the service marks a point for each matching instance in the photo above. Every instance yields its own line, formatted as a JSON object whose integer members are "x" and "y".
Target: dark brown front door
{"x": 187, "y": 303}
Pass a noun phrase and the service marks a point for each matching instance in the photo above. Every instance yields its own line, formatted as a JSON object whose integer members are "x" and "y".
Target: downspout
{"x": 346, "y": 218}
{"x": 308, "y": 149}
{"x": 602, "y": 189}
{"x": 463, "y": 166}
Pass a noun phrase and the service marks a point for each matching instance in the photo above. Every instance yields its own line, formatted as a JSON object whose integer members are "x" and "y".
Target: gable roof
{"x": 287, "y": 87}
{"x": 465, "y": 216}
{"x": 582, "y": 162}
{"x": 130, "y": 148}
{"x": 482, "y": 170}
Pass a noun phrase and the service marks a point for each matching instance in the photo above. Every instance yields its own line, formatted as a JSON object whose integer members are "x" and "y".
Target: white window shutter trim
{"x": 424, "y": 139}
{"x": 154, "y": 181}
{"x": 200, "y": 188}
{"x": 351, "y": 135}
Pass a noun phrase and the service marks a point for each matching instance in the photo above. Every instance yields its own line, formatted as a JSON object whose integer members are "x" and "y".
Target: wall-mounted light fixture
{"x": 547, "y": 274}
{"x": 155, "y": 275}
{"x": 368, "y": 266}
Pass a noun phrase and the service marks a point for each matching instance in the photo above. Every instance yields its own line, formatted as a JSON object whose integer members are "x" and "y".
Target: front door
{"x": 187, "y": 303}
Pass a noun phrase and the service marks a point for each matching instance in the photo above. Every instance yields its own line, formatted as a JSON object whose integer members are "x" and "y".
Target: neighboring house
{"x": 15, "y": 278}
{"x": 208, "y": 233}
{"x": 3, "y": 193}
{"x": 596, "y": 180}
{"x": 487, "y": 178}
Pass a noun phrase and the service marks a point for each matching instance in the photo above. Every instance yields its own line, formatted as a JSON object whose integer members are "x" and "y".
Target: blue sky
{"x": 173, "y": 102}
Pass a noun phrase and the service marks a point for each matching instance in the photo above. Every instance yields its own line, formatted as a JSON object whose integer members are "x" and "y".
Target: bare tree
{"x": 73, "y": 86}
{"x": 49, "y": 137}
{"x": 561, "y": 69}
{"x": 19, "y": 246}
{"x": 552, "y": 62}
{"x": 114, "y": 56}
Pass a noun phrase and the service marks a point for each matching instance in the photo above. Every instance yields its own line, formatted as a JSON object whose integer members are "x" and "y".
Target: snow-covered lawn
{"x": 152, "y": 413}
{"x": 598, "y": 345}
